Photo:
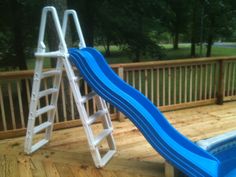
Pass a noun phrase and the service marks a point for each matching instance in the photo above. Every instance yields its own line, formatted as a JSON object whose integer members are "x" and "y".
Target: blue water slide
{"x": 164, "y": 138}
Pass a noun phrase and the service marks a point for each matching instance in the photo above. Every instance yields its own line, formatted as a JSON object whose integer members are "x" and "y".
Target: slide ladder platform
{"x": 62, "y": 63}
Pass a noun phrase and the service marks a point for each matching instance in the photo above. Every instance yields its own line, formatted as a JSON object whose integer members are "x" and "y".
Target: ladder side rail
{"x": 73, "y": 13}
{"x": 100, "y": 103}
{"x": 82, "y": 112}
{"x": 33, "y": 105}
{"x": 106, "y": 122}
{"x": 75, "y": 88}
{"x": 104, "y": 106}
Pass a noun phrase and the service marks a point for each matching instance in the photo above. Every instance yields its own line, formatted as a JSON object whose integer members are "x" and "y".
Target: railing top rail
{"x": 16, "y": 74}
{"x": 30, "y": 73}
{"x": 171, "y": 62}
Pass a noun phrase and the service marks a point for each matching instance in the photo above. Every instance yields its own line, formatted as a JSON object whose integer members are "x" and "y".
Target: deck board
{"x": 67, "y": 154}
{"x": 2, "y": 166}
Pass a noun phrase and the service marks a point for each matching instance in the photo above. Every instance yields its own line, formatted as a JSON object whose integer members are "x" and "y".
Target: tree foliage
{"x": 136, "y": 26}
{"x": 175, "y": 17}
{"x": 18, "y": 31}
{"x": 220, "y": 21}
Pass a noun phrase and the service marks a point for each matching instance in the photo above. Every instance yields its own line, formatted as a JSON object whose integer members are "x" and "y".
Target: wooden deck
{"x": 67, "y": 154}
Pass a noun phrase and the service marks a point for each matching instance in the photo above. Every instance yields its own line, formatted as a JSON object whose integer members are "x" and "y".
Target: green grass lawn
{"x": 218, "y": 51}
{"x": 184, "y": 51}
{"x": 117, "y": 56}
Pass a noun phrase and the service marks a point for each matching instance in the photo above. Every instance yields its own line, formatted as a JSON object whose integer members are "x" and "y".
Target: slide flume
{"x": 164, "y": 138}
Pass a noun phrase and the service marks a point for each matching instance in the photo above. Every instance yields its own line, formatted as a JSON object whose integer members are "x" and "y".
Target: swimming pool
{"x": 223, "y": 147}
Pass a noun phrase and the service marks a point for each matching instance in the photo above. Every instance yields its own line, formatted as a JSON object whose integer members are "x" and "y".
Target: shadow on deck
{"x": 67, "y": 154}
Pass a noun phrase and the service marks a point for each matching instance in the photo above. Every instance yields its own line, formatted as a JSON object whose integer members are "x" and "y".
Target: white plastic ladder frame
{"x": 80, "y": 100}
{"x": 62, "y": 59}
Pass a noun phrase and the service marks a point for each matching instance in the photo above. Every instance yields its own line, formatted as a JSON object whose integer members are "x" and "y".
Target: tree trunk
{"x": 89, "y": 34}
{"x": 176, "y": 40}
{"x": 210, "y": 36}
{"x": 89, "y": 23}
{"x": 193, "y": 31}
{"x": 137, "y": 55}
{"x": 18, "y": 39}
{"x": 193, "y": 48}
{"x": 209, "y": 45}
{"x": 193, "y": 41}
{"x": 18, "y": 35}
{"x": 19, "y": 48}
{"x": 107, "y": 52}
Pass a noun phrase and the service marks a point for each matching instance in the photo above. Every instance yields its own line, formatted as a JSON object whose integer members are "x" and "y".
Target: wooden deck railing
{"x": 168, "y": 84}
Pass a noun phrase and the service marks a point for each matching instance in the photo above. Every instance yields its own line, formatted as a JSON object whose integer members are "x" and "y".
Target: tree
{"x": 18, "y": 31}
{"x": 89, "y": 18}
{"x": 196, "y": 24}
{"x": 130, "y": 25}
{"x": 175, "y": 17}
{"x": 106, "y": 27}
{"x": 219, "y": 21}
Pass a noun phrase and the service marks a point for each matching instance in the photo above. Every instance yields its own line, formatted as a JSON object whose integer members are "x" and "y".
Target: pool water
{"x": 227, "y": 157}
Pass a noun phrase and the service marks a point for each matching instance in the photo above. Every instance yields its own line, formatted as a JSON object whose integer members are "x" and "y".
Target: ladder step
{"x": 42, "y": 126}
{"x": 47, "y": 92}
{"x": 50, "y": 73}
{"x": 102, "y": 135}
{"x": 39, "y": 145}
{"x": 107, "y": 157}
{"x": 88, "y": 96}
{"x": 94, "y": 117}
{"x": 44, "y": 110}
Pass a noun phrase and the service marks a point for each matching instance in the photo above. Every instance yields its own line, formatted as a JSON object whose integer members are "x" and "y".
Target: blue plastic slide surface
{"x": 164, "y": 138}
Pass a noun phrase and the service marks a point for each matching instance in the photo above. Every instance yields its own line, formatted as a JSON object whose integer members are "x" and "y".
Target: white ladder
{"x": 62, "y": 60}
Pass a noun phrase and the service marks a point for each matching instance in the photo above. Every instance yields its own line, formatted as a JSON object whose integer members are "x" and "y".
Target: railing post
{"x": 121, "y": 116}
{"x": 171, "y": 171}
{"x": 221, "y": 84}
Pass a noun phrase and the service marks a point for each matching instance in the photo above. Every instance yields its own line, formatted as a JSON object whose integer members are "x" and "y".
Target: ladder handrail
{"x": 41, "y": 45}
{"x": 73, "y": 13}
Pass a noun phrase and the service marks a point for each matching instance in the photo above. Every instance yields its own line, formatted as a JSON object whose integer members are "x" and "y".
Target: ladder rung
{"x": 47, "y": 92}
{"x": 53, "y": 54}
{"x": 102, "y": 135}
{"x": 38, "y": 145}
{"x": 44, "y": 110}
{"x": 107, "y": 157}
{"x": 94, "y": 117}
{"x": 88, "y": 96}
{"x": 50, "y": 73}
{"x": 42, "y": 126}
